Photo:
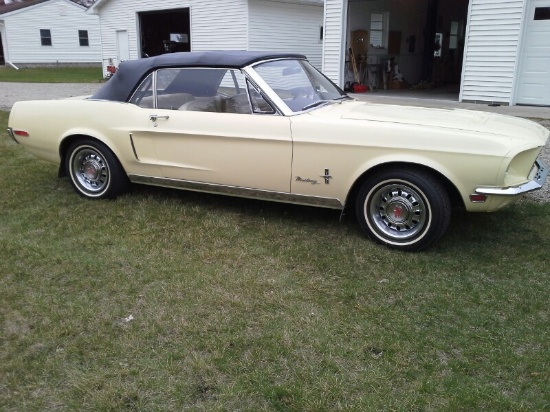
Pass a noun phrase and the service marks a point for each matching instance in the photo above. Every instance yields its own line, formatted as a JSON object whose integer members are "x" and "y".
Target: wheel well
{"x": 454, "y": 194}
{"x": 63, "y": 150}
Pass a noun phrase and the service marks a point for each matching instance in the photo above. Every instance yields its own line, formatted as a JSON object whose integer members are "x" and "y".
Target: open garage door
{"x": 534, "y": 75}
{"x": 166, "y": 31}
{"x": 418, "y": 41}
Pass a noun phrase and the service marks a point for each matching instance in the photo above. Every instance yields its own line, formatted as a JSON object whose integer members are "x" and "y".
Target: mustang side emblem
{"x": 326, "y": 176}
{"x": 307, "y": 180}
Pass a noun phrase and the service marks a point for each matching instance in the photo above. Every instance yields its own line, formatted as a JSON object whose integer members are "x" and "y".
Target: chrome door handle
{"x": 154, "y": 117}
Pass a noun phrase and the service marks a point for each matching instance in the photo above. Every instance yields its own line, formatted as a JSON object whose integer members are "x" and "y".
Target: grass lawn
{"x": 51, "y": 75}
{"x": 167, "y": 301}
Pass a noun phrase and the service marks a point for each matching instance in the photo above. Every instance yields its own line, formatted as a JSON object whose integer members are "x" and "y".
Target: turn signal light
{"x": 478, "y": 198}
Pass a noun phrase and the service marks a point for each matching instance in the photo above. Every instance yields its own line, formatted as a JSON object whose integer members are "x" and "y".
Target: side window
{"x": 379, "y": 29}
{"x": 233, "y": 93}
{"x": 45, "y": 37}
{"x": 83, "y": 38}
{"x": 200, "y": 90}
{"x": 143, "y": 96}
{"x": 174, "y": 88}
{"x": 259, "y": 104}
{"x": 233, "y": 83}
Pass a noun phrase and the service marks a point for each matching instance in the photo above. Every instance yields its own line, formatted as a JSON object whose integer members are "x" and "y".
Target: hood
{"x": 456, "y": 119}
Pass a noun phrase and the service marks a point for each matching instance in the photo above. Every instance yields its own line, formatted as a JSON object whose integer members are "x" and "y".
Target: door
{"x": 241, "y": 150}
{"x": 122, "y": 46}
{"x": 204, "y": 130}
{"x": 534, "y": 75}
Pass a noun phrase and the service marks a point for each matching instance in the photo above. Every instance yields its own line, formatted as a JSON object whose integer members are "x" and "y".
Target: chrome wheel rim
{"x": 90, "y": 170}
{"x": 397, "y": 210}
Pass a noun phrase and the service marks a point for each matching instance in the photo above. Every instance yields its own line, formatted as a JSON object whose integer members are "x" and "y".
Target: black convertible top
{"x": 130, "y": 73}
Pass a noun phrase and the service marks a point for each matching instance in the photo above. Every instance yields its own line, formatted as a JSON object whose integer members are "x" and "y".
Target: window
{"x": 379, "y": 23}
{"x": 542, "y": 13}
{"x": 45, "y": 37}
{"x": 179, "y": 37}
{"x": 83, "y": 38}
{"x": 453, "y": 41}
{"x": 201, "y": 90}
{"x": 259, "y": 104}
{"x": 456, "y": 34}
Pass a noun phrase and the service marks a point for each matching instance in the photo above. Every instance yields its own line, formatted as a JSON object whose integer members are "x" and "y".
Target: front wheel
{"x": 405, "y": 210}
{"x": 94, "y": 170}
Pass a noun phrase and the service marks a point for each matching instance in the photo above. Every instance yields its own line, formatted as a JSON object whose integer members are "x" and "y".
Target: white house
{"x": 46, "y": 32}
{"x": 133, "y": 29}
{"x": 507, "y": 52}
{"x": 494, "y": 50}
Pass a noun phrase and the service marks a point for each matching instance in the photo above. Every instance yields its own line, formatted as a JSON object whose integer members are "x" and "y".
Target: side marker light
{"x": 21, "y": 133}
{"x": 478, "y": 198}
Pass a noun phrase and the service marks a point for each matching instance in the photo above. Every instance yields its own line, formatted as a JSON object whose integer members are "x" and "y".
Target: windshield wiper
{"x": 315, "y": 104}
{"x": 325, "y": 101}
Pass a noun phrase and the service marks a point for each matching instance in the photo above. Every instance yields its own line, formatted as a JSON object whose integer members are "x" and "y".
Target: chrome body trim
{"x": 133, "y": 147}
{"x": 10, "y": 133}
{"x": 238, "y": 191}
{"x": 530, "y": 186}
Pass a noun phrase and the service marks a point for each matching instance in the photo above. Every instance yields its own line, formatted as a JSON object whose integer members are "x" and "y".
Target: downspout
{"x": 5, "y": 42}
{"x": 519, "y": 62}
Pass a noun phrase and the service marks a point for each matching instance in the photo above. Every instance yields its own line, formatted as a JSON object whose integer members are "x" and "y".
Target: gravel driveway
{"x": 12, "y": 92}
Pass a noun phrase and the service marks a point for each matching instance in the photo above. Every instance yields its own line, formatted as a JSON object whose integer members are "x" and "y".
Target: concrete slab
{"x": 433, "y": 99}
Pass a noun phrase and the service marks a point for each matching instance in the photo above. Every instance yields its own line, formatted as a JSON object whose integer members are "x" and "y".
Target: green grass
{"x": 51, "y": 75}
{"x": 250, "y": 306}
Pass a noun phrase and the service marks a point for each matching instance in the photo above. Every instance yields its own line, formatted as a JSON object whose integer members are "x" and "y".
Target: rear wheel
{"x": 94, "y": 170}
{"x": 405, "y": 210}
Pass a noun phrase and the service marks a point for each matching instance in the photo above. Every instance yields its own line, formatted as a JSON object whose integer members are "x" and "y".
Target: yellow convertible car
{"x": 270, "y": 126}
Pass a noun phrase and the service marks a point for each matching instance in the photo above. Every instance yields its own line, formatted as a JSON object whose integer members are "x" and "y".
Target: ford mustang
{"x": 270, "y": 126}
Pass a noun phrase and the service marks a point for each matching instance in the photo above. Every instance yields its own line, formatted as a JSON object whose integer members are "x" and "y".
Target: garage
{"x": 396, "y": 45}
{"x": 135, "y": 29}
{"x": 495, "y": 52}
{"x": 534, "y": 73}
{"x": 166, "y": 31}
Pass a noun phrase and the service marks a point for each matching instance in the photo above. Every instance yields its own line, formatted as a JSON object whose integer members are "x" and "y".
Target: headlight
{"x": 521, "y": 167}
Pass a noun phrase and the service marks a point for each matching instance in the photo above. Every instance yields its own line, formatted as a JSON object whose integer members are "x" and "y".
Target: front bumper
{"x": 541, "y": 173}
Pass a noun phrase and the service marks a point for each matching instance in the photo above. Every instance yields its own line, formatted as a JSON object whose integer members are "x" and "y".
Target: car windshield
{"x": 299, "y": 84}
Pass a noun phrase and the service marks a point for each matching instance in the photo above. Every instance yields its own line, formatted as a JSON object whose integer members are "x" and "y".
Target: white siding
{"x": 277, "y": 26}
{"x": 214, "y": 25}
{"x": 333, "y": 44}
{"x": 64, "y": 19}
{"x": 533, "y": 78}
{"x": 492, "y": 49}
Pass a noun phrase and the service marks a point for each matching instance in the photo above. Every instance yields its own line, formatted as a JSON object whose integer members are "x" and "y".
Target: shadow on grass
{"x": 519, "y": 227}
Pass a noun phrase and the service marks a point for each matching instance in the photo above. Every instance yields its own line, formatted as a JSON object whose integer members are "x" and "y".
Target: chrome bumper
{"x": 10, "y": 132}
{"x": 535, "y": 184}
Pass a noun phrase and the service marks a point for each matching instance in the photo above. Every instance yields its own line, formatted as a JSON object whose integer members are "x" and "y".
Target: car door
{"x": 204, "y": 131}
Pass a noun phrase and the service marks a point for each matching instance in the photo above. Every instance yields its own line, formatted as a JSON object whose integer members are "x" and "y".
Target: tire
{"x": 404, "y": 210}
{"x": 94, "y": 170}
